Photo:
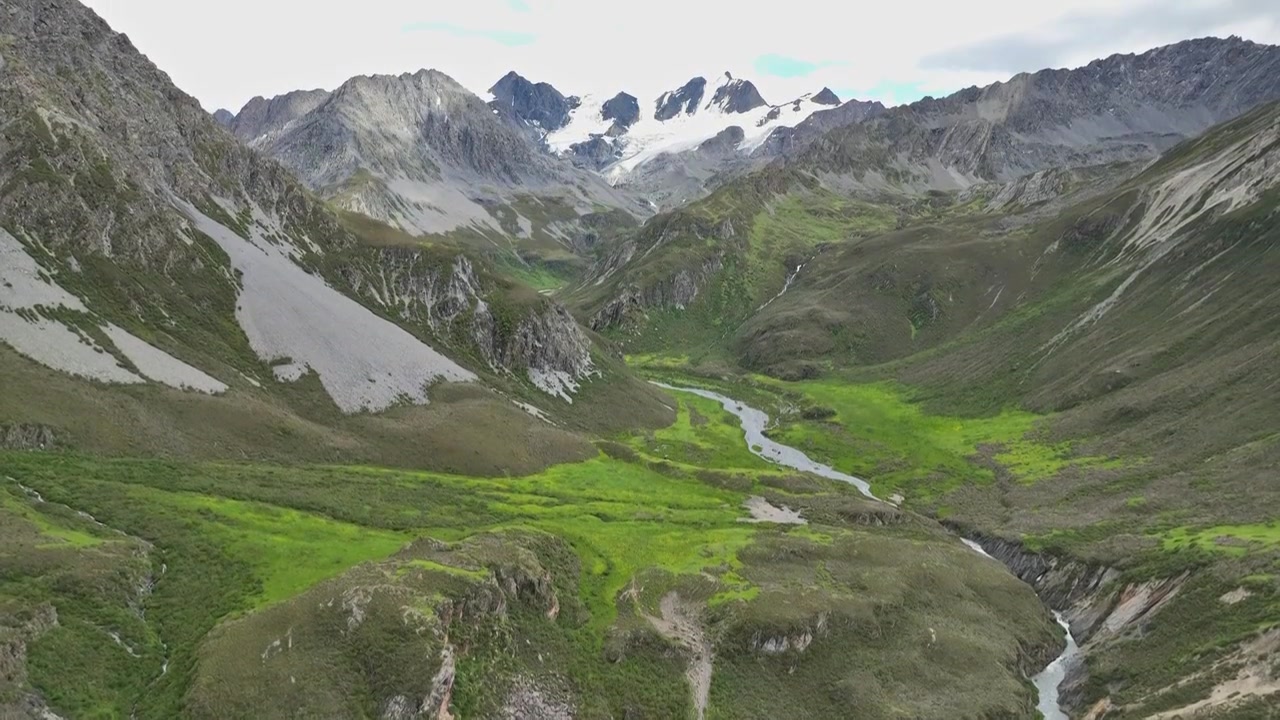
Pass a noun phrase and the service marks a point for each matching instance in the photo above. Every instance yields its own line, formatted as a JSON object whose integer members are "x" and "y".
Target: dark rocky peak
{"x": 596, "y": 153}
{"x": 737, "y": 96}
{"x": 685, "y": 100}
{"x": 826, "y": 97}
{"x": 224, "y": 117}
{"x": 530, "y": 104}
{"x": 725, "y": 142}
{"x": 623, "y": 110}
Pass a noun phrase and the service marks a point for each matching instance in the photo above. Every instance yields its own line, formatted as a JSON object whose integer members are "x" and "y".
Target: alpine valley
{"x": 396, "y": 401}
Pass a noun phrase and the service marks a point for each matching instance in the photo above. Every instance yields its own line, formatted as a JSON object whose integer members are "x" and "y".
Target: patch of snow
{"x": 160, "y": 366}
{"x": 365, "y": 363}
{"x": 649, "y": 137}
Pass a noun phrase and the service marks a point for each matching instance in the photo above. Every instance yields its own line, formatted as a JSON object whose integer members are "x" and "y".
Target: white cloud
{"x": 228, "y": 51}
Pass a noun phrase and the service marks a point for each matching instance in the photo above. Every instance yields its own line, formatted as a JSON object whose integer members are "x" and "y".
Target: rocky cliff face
{"x": 448, "y": 297}
{"x": 623, "y": 109}
{"x": 125, "y": 204}
{"x": 737, "y": 96}
{"x": 261, "y": 118}
{"x": 537, "y": 107}
{"x": 684, "y": 100}
{"x": 423, "y": 154}
{"x": 1121, "y": 108}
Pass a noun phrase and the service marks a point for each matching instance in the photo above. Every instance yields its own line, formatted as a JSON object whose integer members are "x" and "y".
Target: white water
{"x": 1049, "y": 681}
{"x": 754, "y": 423}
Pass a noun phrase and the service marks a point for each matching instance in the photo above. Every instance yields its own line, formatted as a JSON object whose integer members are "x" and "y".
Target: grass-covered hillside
{"x": 1092, "y": 382}
{"x": 630, "y": 583}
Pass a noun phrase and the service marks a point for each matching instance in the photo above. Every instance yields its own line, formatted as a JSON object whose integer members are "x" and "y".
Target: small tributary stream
{"x": 755, "y": 422}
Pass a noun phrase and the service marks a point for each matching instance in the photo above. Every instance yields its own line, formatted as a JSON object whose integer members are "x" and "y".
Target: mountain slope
{"x": 421, "y": 153}
{"x": 1132, "y": 314}
{"x": 894, "y": 168}
{"x": 1123, "y": 107}
{"x": 142, "y": 242}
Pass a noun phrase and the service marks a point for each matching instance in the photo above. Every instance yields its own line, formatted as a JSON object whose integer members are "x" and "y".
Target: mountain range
{"x": 347, "y": 404}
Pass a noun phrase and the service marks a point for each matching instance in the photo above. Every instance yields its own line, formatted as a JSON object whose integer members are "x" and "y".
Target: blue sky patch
{"x": 519, "y": 5}
{"x": 786, "y": 67}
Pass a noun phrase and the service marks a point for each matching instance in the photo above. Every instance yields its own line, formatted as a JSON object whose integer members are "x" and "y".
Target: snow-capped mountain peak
{"x": 616, "y": 135}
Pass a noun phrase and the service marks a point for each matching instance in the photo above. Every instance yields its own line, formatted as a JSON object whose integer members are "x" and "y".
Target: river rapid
{"x": 754, "y": 423}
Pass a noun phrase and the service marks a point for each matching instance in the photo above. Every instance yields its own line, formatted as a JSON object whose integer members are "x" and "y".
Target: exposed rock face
{"x": 27, "y": 437}
{"x": 737, "y": 96}
{"x": 826, "y": 97}
{"x": 1124, "y": 107}
{"x": 677, "y": 291}
{"x": 726, "y": 141}
{"x": 536, "y": 107}
{"x": 17, "y": 700}
{"x": 455, "y": 301}
{"x": 262, "y": 118}
{"x": 411, "y": 126}
{"x": 423, "y": 154}
{"x": 623, "y": 110}
{"x": 684, "y": 100}
{"x": 790, "y": 139}
{"x": 1038, "y": 187}
{"x": 1099, "y": 608}
{"x": 224, "y": 117}
{"x": 595, "y": 154}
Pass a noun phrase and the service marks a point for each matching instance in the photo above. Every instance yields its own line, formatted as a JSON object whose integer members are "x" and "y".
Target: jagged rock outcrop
{"x": 677, "y": 291}
{"x": 737, "y": 96}
{"x": 725, "y": 142}
{"x": 623, "y": 109}
{"x": 787, "y": 140}
{"x": 1121, "y": 108}
{"x": 684, "y": 100}
{"x": 535, "y": 107}
{"x": 262, "y": 119}
{"x": 595, "y": 154}
{"x": 17, "y": 699}
{"x": 453, "y": 300}
{"x": 27, "y": 437}
{"x": 1095, "y": 600}
{"x": 224, "y": 117}
{"x": 826, "y": 97}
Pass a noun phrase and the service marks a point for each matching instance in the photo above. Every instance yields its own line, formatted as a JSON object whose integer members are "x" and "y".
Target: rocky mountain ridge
{"x": 1121, "y": 108}
{"x": 129, "y": 219}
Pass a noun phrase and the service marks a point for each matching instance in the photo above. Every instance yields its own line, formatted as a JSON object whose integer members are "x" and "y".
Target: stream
{"x": 754, "y": 424}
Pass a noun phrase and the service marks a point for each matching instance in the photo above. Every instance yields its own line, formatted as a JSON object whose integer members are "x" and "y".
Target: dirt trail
{"x": 679, "y": 623}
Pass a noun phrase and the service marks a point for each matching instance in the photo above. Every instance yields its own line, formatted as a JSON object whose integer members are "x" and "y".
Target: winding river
{"x": 754, "y": 422}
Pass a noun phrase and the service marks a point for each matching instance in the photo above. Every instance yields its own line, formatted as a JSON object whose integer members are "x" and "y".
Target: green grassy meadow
{"x": 212, "y": 550}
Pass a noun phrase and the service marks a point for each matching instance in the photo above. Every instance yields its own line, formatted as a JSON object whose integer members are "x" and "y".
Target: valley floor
{"x": 1173, "y": 601}
{"x": 154, "y": 588}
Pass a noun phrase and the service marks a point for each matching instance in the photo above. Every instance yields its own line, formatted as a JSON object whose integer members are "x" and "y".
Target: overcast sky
{"x": 226, "y": 52}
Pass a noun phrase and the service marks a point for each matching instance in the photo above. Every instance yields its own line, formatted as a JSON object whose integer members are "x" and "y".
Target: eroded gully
{"x": 754, "y": 423}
